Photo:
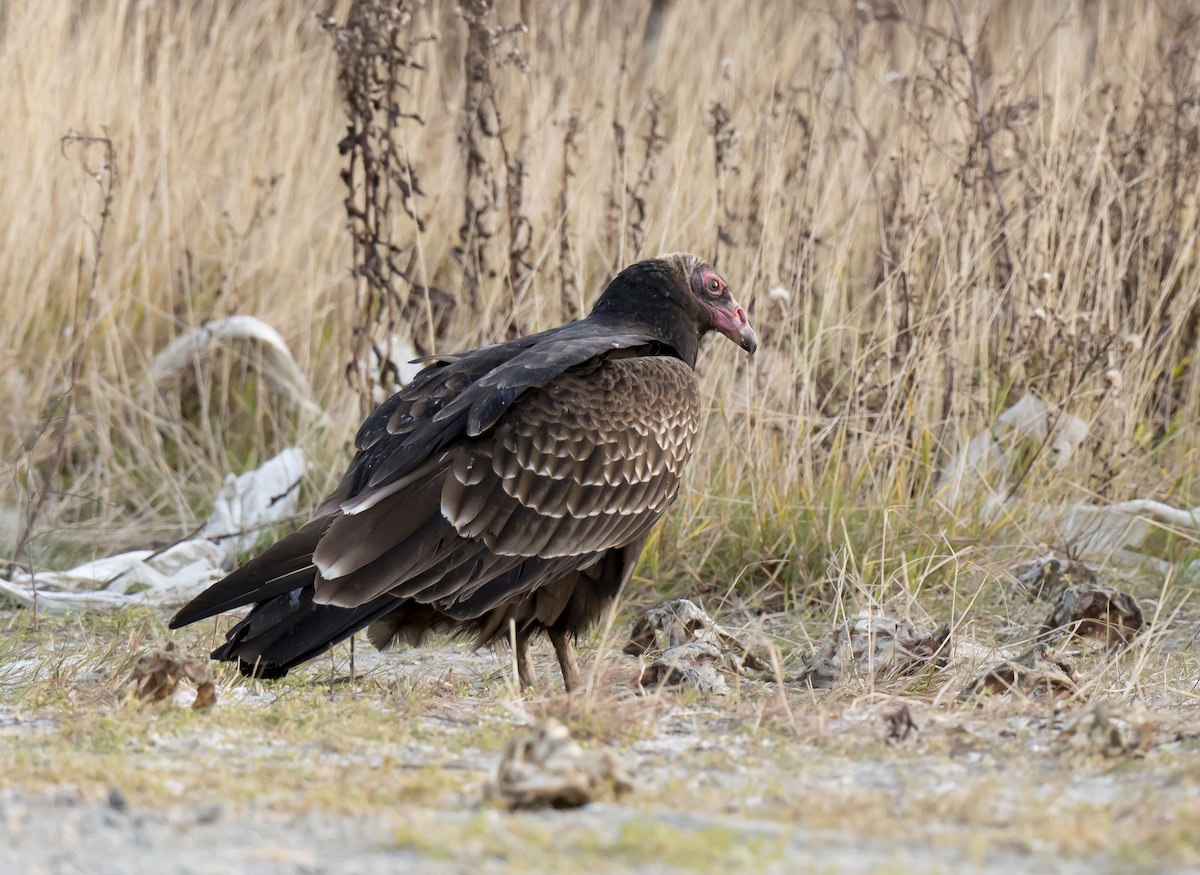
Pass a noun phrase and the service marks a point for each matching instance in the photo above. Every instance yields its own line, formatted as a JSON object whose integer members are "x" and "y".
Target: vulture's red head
{"x": 723, "y": 312}
{"x": 681, "y": 298}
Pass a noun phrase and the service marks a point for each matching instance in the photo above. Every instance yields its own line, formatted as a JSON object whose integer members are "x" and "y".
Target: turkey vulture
{"x": 509, "y": 487}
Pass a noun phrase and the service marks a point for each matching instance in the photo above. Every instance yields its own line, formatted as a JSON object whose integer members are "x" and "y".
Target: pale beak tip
{"x": 748, "y": 340}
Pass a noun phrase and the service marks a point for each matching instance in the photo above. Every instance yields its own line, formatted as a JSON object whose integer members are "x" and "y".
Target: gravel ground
{"x": 60, "y": 834}
{"x": 386, "y": 774}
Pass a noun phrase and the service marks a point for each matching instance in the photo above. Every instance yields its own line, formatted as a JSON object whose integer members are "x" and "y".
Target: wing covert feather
{"x": 581, "y": 465}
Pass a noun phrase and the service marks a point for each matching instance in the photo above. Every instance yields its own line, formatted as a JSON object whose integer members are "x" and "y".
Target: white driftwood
{"x": 271, "y": 356}
{"x": 1098, "y": 530}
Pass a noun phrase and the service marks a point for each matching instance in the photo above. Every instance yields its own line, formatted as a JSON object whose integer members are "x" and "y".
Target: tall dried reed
{"x": 930, "y": 208}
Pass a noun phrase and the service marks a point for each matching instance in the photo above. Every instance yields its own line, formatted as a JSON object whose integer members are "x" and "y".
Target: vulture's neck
{"x": 651, "y": 310}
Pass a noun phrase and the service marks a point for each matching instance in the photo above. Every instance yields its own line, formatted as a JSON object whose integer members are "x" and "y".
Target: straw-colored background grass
{"x": 927, "y": 208}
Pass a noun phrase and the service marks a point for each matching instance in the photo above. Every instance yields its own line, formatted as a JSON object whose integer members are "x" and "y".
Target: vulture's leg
{"x": 525, "y": 672}
{"x": 566, "y": 659}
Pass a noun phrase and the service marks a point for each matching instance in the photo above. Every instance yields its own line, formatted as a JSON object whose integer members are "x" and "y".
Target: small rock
{"x": 117, "y": 800}
{"x": 209, "y": 813}
{"x": 544, "y": 767}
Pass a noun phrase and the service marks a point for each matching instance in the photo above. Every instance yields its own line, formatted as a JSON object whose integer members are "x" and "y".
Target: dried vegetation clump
{"x": 1036, "y": 673}
{"x": 874, "y": 644}
{"x": 544, "y": 767}
{"x": 1099, "y": 612}
{"x": 1106, "y": 729}
{"x": 159, "y": 672}
{"x": 679, "y": 643}
{"x": 1045, "y": 576}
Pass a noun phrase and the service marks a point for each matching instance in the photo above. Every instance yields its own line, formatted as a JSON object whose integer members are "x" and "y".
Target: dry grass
{"x": 819, "y": 150}
{"x": 954, "y": 217}
{"x": 928, "y": 208}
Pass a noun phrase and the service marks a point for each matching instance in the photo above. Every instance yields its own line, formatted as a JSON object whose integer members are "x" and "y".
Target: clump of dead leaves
{"x": 544, "y": 767}
{"x": 1036, "y": 673}
{"x": 158, "y": 673}
{"x": 1083, "y": 606}
{"x": 1091, "y": 610}
{"x": 1047, "y": 575}
{"x": 874, "y": 643}
{"x": 1107, "y": 729}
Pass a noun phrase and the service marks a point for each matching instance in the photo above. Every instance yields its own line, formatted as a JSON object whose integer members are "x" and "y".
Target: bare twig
{"x": 572, "y": 306}
{"x": 377, "y": 60}
{"x": 105, "y": 176}
{"x": 985, "y": 140}
{"x": 725, "y": 137}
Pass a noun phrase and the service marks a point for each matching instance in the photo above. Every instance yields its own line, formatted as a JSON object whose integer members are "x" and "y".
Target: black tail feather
{"x": 282, "y": 568}
{"x": 289, "y": 629}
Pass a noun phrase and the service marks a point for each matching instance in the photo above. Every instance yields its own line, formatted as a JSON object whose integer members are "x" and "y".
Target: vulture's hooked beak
{"x": 747, "y": 339}
{"x": 730, "y": 319}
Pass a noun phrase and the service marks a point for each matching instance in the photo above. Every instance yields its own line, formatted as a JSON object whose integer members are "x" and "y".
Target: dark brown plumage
{"x": 512, "y": 486}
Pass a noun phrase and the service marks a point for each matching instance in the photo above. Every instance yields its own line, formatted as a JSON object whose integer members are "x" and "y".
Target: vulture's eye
{"x": 714, "y": 285}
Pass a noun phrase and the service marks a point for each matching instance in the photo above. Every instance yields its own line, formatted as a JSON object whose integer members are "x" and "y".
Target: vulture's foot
{"x": 525, "y": 673}
{"x": 572, "y": 680}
